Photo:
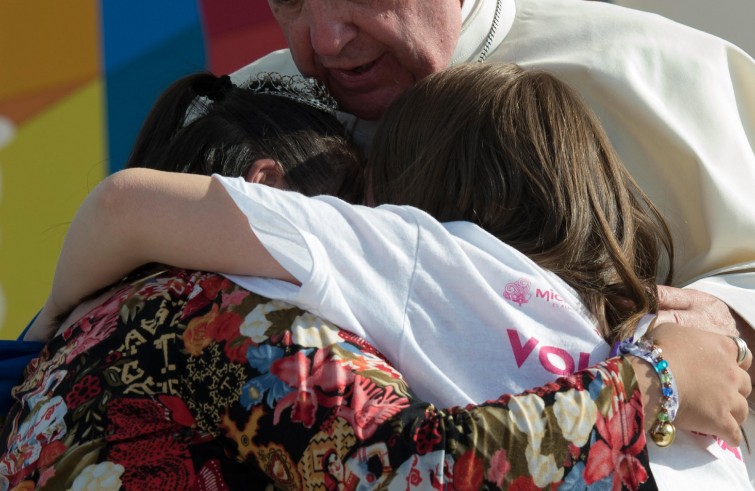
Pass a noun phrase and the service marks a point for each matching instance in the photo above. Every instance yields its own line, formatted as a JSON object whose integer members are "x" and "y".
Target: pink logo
{"x": 725, "y": 446}
{"x": 555, "y": 360}
{"x": 518, "y": 291}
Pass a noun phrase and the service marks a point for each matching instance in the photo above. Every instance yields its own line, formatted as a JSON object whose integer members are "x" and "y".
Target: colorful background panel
{"x": 76, "y": 80}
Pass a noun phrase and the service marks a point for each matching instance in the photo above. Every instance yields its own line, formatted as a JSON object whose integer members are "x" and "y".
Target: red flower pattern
{"x": 312, "y": 382}
{"x": 468, "y": 472}
{"x": 499, "y": 468}
{"x": 157, "y": 462}
{"x": 427, "y": 436}
{"x": 414, "y": 478}
{"x": 524, "y": 483}
{"x": 620, "y": 443}
{"x": 95, "y": 327}
{"x": 224, "y": 327}
{"x": 85, "y": 389}
{"x": 210, "y": 288}
{"x": 370, "y": 406}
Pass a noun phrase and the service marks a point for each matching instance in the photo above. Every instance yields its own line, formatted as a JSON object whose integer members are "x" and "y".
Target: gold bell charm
{"x": 663, "y": 433}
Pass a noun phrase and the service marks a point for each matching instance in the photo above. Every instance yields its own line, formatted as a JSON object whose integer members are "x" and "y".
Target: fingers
{"x": 742, "y": 349}
{"x": 732, "y": 434}
{"x": 674, "y": 298}
{"x": 748, "y": 360}
{"x": 727, "y": 422}
{"x": 748, "y": 334}
{"x": 693, "y": 308}
{"x": 744, "y": 386}
{"x": 746, "y": 389}
{"x": 730, "y": 414}
{"x": 744, "y": 354}
{"x": 731, "y": 431}
{"x": 740, "y": 378}
{"x": 670, "y": 303}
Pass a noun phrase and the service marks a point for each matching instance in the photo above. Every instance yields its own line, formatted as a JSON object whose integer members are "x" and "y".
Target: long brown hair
{"x": 517, "y": 152}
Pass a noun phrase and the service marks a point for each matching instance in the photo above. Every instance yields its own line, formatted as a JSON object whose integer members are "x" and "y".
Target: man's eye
{"x": 283, "y": 10}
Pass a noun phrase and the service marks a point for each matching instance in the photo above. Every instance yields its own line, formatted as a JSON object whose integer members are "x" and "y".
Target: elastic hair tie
{"x": 663, "y": 431}
{"x": 215, "y": 90}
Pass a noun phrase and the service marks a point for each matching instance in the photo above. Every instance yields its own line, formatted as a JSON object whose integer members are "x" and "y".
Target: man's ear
{"x": 268, "y": 172}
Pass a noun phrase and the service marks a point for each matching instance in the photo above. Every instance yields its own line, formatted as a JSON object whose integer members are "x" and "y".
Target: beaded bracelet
{"x": 663, "y": 430}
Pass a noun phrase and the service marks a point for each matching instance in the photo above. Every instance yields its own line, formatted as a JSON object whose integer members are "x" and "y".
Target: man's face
{"x": 368, "y": 52}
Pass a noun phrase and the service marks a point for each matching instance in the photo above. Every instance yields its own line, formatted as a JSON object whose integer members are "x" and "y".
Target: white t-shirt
{"x": 463, "y": 316}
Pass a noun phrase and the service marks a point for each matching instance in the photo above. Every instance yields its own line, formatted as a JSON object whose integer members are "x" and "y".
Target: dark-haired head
{"x": 517, "y": 152}
{"x": 203, "y": 124}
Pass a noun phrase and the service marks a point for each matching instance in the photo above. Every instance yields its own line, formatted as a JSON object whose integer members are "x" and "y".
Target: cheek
{"x": 425, "y": 54}
{"x": 286, "y": 22}
{"x": 298, "y": 41}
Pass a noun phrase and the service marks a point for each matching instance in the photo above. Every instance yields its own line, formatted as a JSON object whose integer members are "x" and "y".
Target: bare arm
{"x": 138, "y": 216}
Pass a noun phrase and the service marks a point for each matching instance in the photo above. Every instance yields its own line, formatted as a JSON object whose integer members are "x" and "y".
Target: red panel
{"x": 238, "y": 32}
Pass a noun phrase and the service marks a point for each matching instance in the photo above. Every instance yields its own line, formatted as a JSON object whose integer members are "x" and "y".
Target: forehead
{"x": 401, "y": 7}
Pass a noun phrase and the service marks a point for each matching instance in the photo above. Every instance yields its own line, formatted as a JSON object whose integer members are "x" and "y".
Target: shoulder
{"x": 554, "y": 23}
{"x": 600, "y": 48}
{"x": 278, "y": 61}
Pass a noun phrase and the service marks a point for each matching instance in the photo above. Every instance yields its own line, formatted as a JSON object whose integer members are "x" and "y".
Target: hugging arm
{"x": 138, "y": 216}
{"x": 296, "y": 401}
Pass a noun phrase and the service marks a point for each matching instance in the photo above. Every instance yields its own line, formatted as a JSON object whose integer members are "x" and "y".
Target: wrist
{"x": 648, "y": 384}
{"x": 660, "y": 393}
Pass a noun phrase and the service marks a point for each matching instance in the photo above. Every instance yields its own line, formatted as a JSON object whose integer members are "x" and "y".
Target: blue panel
{"x": 132, "y": 27}
{"x": 132, "y": 88}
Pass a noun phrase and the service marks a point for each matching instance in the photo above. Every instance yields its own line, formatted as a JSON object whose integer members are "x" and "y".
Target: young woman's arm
{"x": 138, "y": 216}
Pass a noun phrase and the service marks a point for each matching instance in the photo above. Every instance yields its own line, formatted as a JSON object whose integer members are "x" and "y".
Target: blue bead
{"x": 667, "y": 391}
{"x": 662, "y": 365}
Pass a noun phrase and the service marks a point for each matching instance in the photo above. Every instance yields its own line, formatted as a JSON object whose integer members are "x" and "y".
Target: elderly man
{"x": 677, "y": 103}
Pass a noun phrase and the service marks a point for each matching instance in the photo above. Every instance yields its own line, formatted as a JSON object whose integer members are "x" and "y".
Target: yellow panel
{"x": 47, "y": 42}
{"x": 45, "y": 172}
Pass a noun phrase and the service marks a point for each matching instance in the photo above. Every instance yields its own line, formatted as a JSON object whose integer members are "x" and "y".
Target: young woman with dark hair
{"x": 205, "y": 125}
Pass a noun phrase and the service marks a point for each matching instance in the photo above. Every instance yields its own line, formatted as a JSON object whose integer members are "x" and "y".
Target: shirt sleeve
{"x": 349, "y": 418}
{"x": 184, "y": 377}
{"x": 345, "y": 256}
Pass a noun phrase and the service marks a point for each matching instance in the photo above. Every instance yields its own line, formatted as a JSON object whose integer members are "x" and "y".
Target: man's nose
{"x": 330, "y": 26}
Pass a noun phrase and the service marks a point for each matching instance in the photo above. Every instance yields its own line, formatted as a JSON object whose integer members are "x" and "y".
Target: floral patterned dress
{"x": 183, "y": 380}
